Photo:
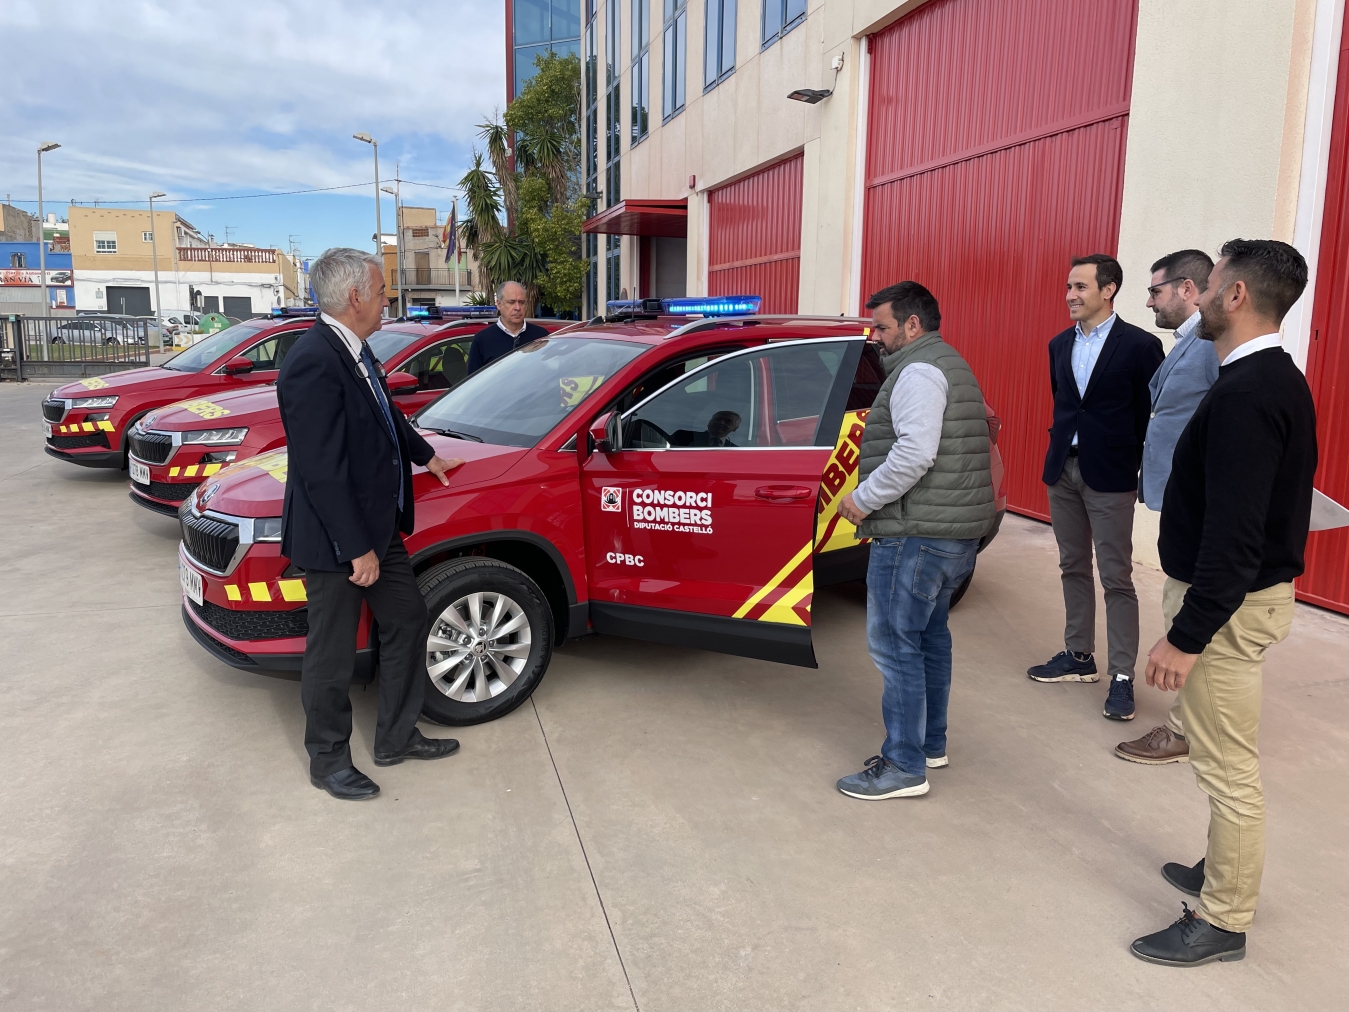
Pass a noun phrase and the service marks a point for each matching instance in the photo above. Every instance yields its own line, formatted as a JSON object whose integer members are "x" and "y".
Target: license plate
{"x": 139, "y": 472}
{"x": 47, "y": 429}
{"x": 191, "y": 581}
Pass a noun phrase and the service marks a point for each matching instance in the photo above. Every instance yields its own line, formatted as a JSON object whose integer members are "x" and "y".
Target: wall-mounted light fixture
{"x": 812, "y": 96}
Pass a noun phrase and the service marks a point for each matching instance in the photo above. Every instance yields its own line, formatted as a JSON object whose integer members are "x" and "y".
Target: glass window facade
{"x": 780, "y": 17}
{"x": 718, "y": 42}
{"x": 674, "y": 43}
{"x": 641, "y": 71}
{"x": 541, "y": 26}
{"x": 590, "y": 82}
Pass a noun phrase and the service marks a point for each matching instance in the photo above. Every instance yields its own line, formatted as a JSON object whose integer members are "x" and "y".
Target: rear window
{"x": 517, "y": 399}
{"x": 385, "y": 344}
{"x": 208, "y": 349}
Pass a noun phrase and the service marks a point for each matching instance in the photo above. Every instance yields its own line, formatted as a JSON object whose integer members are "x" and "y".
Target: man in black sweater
{"x": 1234, "y": 526}
{"x": 508, "y": 332}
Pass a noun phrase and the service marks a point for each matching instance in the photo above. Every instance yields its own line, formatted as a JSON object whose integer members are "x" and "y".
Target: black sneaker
{"x": 1066, "y": 667}
{"x": 1187, "y": 880}
{"x": 1119, "y": 704}
{"x": 1191, "y": 941}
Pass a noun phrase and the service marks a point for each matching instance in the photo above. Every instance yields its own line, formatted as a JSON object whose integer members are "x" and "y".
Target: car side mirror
{"x": 602, "y": 436}
{"x": 401, "y": 383}
{"x": 235, "y": 366}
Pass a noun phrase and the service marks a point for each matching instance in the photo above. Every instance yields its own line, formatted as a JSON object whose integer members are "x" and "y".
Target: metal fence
{"x": 34, "y": 346}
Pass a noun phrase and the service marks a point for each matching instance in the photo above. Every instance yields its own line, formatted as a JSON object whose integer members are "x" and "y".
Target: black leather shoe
{"x": 1187, "y": 880}
{"x": 421, "y": 747}
{"x": 349, "y": 784}
{"x": 1191, "y": 941}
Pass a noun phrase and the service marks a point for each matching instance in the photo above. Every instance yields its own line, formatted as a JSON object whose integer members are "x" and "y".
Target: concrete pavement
{"x": 658, "y": 830}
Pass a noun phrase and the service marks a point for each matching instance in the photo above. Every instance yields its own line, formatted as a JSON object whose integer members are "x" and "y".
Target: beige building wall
{"x": 129, "y": 224}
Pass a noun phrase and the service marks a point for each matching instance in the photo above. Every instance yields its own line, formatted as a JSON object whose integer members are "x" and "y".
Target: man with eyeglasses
{"x": 1177, "y": 387}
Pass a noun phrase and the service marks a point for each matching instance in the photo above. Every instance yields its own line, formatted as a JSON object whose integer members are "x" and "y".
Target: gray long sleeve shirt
{"x": 917, "y": 406}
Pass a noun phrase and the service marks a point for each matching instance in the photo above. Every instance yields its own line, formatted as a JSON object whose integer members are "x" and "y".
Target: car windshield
{"x": 517, "y": 399}
{"x": 385, "y": 344}
{"x": 208, "y": 349}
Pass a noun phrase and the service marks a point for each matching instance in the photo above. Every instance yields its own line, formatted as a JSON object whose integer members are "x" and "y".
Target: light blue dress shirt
{"x": 1086, "y": 350}
{"x": 1177, "y": 387}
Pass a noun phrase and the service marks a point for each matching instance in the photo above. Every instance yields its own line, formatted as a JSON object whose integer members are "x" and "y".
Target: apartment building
{"x": 111, "y": 252}
{"x": 425, "y": 275}
{"x": 813, "y": 151}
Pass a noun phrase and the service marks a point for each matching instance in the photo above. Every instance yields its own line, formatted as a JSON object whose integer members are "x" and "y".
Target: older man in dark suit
{"x": 1099, "y": 371}
{"x": 348, "y": 502}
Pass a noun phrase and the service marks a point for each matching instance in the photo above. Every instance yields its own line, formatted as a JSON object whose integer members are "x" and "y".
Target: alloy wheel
{"x": 478, "y": 646}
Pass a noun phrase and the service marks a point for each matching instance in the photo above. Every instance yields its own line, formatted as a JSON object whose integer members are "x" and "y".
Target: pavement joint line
{"x": 85, "y": 611}
{"x": 577, "y": 829}
{"x": 24, "y": 471}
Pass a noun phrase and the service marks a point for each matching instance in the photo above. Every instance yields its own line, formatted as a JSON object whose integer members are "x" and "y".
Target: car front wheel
{"x": 489, "y": 641}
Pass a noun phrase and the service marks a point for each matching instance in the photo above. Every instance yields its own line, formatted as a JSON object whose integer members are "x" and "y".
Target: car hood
{"x": 230, "y": 408}
{"x": 123, "y": 382}
{"x": 256, "y": 487}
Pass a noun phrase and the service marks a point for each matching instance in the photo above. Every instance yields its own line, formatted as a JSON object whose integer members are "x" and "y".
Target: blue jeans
{"x": 909, "y": 586}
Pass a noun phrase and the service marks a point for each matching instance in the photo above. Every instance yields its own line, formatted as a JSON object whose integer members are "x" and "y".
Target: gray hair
{"x": 501, "y": 288}
{"x": 337, "y": 271}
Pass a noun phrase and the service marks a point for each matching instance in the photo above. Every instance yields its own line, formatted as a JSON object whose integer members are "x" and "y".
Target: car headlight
{"x": 267, "y": 529}
{"x": 93, "y": 402}
{"x": 215, "y": 437}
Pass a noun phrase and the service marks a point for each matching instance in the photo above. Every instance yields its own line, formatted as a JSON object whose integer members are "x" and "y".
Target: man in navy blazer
{"x": 1191, "y": 367}
{"x": 1099, "y": 371}
{"x": 348, "y": 503}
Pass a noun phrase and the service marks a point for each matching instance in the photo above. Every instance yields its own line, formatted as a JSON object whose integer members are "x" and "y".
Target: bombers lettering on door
{"x": 660, "y": 509}
{"x": 839, "y": 478}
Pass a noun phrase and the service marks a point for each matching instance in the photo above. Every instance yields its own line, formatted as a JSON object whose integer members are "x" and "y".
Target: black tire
{"x": 450, "y": 585}
{"x": 959, "y": 592}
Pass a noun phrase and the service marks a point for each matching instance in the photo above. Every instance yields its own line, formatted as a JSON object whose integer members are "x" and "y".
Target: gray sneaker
{"x": 882, "y": 779}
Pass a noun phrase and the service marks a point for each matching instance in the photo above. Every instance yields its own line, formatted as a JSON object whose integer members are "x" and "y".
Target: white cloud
{"x": 200, "y": 96}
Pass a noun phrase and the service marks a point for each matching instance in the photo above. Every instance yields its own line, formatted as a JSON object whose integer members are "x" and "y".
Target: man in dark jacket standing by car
{"x": 1234, "y": 531}
{"x": 348, "y": 497}
{"x": 508, "y": 332}
{"x": 925, "y": 499}
{"x": 1098, "y": 372}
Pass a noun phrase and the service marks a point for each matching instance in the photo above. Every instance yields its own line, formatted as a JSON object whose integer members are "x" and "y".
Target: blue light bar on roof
{"x": 284, "y": 311}
{"x": 719, "y": 305}
{"x": 451, "y": 312}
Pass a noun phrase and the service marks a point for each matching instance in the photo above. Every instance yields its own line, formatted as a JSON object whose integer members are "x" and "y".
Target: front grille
{"x": 79, "y": 442}
{"x": 53, "y": 411}
{"x": 211, "y": 542}
{"x": 152, "y": 447}
{"x": 167, "y": 490}
{"x": 253, "y": 625}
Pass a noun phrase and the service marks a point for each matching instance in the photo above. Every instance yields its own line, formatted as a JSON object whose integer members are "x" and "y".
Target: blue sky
{"x": 205, "y": 98}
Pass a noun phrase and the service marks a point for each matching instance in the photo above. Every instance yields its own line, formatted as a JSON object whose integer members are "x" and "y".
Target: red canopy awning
{"x": 642, "y": 217}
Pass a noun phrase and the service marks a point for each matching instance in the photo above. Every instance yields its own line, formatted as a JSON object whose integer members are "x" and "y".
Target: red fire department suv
{"x": 88, "y": 422}
{"x": 659, "y": 479}
{"x": 174, "y": 448}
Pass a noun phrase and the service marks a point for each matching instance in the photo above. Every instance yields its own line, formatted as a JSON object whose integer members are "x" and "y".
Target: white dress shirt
{"x": 917, "y": 406}
{"x": 353, "y": 344}
{"x": 516, "y": 335}
{"x": 1086, "y": 350}
{"x": 1252, "y": 346}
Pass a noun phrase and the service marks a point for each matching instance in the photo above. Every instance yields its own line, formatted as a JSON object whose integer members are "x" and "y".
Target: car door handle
{"x": 783, "y": 493}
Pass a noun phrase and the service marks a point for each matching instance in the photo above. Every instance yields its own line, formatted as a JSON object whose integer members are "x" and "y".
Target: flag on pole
{"x": 450, "y": 237}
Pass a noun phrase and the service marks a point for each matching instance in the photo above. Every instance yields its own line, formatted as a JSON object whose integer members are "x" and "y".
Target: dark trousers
{"x": 330, "y": 659}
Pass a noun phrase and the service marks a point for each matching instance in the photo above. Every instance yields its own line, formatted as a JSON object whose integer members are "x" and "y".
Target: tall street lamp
{"x": 154, "y": 255}
{"x": 398, "y": 247}
{"x": 41, "y": 239}
{"x": 379, "y": 231}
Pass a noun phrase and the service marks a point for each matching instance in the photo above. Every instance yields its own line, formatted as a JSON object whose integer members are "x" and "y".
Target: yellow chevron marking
{"x": 772, "y": 584}
{"x": 232, "y": 592}
{"x": 781, "y": 609}
{"x": 105, "y": 426}
{"x": 259, "y": 592}
{"x": 210, "y": 469}
{"x": 292, "y": 590}
{"x": 88, "y": 426}
{"x": 93, "y": 383}
{"x": 173, "y": 472}
{"x": 190, "y": 471}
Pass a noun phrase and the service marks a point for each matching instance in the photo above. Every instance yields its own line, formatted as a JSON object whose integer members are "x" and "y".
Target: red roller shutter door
{"x": 995, "y": 153}
{"x": 754, "y": 237}
{"x": 1326, "y": 581}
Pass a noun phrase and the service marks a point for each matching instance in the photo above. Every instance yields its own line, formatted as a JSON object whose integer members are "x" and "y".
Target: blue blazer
{"x": 1176, "y": 389}
{"x": 1111, "y": 419}
{"x": 342, "y": 480}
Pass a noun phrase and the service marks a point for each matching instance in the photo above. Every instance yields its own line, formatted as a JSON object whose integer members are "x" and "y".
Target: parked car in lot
{"x": 174, "y": 448}
{"x": 659, "y": 479}
{"x": 100, "y": 330}
{"x": 88, "y": 422}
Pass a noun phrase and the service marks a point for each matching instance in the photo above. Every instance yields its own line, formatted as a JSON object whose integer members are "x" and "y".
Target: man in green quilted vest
{"x": 925, "y": 498}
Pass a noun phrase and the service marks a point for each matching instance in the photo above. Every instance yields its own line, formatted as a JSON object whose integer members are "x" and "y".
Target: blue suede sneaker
{"x": 882, "y": 779}
{"x": 1119, "y": 704}
{"x": 1066, "y": 667}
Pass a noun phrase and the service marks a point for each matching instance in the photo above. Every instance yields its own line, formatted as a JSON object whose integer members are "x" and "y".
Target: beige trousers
{"x": 1220, "y": 711}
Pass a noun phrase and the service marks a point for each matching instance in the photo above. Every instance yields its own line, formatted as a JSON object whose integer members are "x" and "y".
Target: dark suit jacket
{"x": 342, "y": 482}
{"x": 490, "y": 343}
{"x": 1111, "y": 420}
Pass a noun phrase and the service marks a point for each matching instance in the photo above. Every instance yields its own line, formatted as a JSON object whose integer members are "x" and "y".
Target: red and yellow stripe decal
{"x": 76, "y": 427}
{"x": 786, "y": 597}
{"x": 195, "y": 470}
{"x": 284, "y": 590}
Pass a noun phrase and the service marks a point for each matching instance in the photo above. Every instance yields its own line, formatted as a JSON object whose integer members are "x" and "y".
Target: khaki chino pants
{"x": 1220, "y": 710}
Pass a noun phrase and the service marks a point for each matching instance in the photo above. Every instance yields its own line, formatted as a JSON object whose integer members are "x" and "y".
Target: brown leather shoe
{"x": 1159, "y": 746}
